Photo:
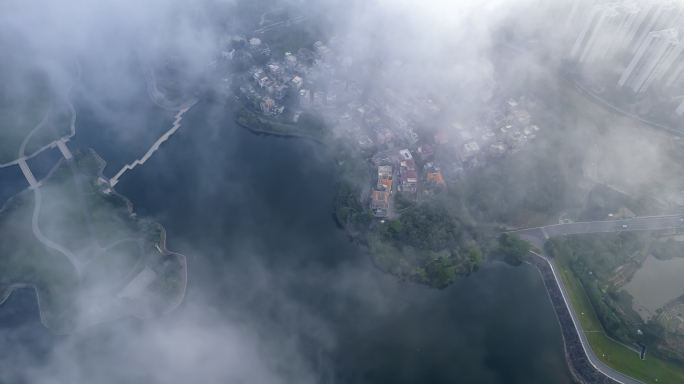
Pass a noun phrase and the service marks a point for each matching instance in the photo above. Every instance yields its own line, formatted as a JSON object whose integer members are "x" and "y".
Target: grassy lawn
{"x": 613, "y": 354}
{"x": 626, "y": 361}
{"x": 580, "y": 301}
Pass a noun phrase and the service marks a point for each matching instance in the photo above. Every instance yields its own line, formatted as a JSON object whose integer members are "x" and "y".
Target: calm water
{"x": 657, "y": 282}
{"x": 276, "y": 292}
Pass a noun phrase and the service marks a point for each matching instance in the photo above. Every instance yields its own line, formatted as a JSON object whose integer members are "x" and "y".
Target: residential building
{"x": 677, "y": 77}
{"x": 384, "y": 135}
{"x": 456, "y": 168}
{"x": 680, "y": 109}
{"x": 276, "y": 70}
{"x": 605, "y": 15}
{"x": 479, "y": 160}
{"x": 435, "y": 179}
{"x": 666, "y": 16}
{"x": 290, "y": 60}
{"x": 247, "y": 89}
{"x": 531, "y": 131}
{"x": 381, "y": 158}
{"x": 405, "y": 154}
{"x": 497, "y": 149}
{"x": 469, "y": 151}
{"x": 503, "y": 133}
{"x": 318, "y": 100}
{"x": 521, "y": 118}
{"x": 628, "y": 13}
{"x": 254, "y": 42}
{"x": 413, "y": 137}
{"x": 380, "y": 202}
{"x": 265, "y": 81}
{"x": 516, "y": 141}
{"x": 331, "y": 100}
{"x": 408, "y": 165}
{"x": 264, "y": 49}
{"x": 510, "y": 105}
{"x": 280, "y": 92}
{"x": 385, "y": 185}
{"x": 649, "y": 60}
{"x": 277, "y": 109}
{"x": 257, "y": 73}
{"x": 304, "y": 98}
{"x": 441, "y": 138}
{"x": 384, "y": 172}
{"x": 266, "y": 104}
{"x": 297, "y": 82}
{"x": 304, "y": 54}
{"x": 426, "y": 151}
{"x": 365, "y": 142}
{"x": 409, "y": 181}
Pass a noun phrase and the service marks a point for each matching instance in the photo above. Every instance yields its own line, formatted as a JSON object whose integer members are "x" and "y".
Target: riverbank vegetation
{"x": 610, "y": 352}
{"x": 593, "y": 268}
{"x": 430, "y": 243}
{"x": 111, "y": 251}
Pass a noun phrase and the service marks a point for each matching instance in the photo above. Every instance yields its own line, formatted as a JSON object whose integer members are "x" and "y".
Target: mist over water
{"x": 276, "y": 292}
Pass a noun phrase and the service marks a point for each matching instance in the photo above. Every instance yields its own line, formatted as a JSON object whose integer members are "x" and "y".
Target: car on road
{"x": 624, "y": 226}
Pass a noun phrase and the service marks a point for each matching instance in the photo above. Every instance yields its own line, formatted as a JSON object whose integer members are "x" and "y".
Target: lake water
{"x": 657, "y": 282}
{"x": 276, "y": 292}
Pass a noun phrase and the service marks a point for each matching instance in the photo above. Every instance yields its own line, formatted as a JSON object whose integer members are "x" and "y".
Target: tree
{"x": 474, "y": 258}
{"x": 513, "y": 249}
{"x": 396, "y": 226}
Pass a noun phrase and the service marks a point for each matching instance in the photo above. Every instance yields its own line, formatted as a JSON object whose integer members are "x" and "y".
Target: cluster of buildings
{"x": 646, "y": 34}
{"x": 320, "y": 80}
{"x": 297, "y": 74}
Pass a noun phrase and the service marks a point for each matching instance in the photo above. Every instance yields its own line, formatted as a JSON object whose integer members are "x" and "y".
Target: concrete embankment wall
{"x": 580, "y": 366}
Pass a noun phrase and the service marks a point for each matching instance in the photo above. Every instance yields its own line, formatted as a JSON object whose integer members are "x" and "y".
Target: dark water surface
{"x": 276, "y": 292}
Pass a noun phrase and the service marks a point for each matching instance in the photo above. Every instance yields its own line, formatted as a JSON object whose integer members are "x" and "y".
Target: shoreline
{"x": 129, "y": 207}
{"x": 578, "y": 354}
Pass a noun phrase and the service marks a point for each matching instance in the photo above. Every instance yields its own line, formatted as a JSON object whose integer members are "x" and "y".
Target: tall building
{"x": 610, "y": 24}
{"x": 628, "y": 13}
{"x": 578, "y": 9}
{"x": 605, "y": 14}
{"x": 680, "y": 109}
{"x": 671, "y": 60}
{"x": 677, "y": 77}
{"x": 304, "y": 98}
{"x": 646, "y": 7}
{"x": 666, "y": 16}
{"x": 649, "y": 59}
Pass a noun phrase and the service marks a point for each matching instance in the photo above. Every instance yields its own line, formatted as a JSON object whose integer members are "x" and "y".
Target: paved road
{"x": 593, "y": 359}
{"x": 49, "y": 243}
{"x": 538, "y": 236}
{"x": 636, "y": 224}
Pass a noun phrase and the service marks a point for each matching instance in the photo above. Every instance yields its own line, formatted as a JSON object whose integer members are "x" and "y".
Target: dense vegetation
{"x": 430, "y": 243}
{"x": 504, "y": 188}
{"x": 595, "y": 260}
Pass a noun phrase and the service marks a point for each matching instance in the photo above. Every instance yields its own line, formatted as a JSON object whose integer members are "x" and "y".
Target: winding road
{"x": 538, "y": 236}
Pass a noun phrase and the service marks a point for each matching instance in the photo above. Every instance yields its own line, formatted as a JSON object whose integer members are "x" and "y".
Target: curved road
{"x": 49, "y": 243}
{"x": 538, "y": 236}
